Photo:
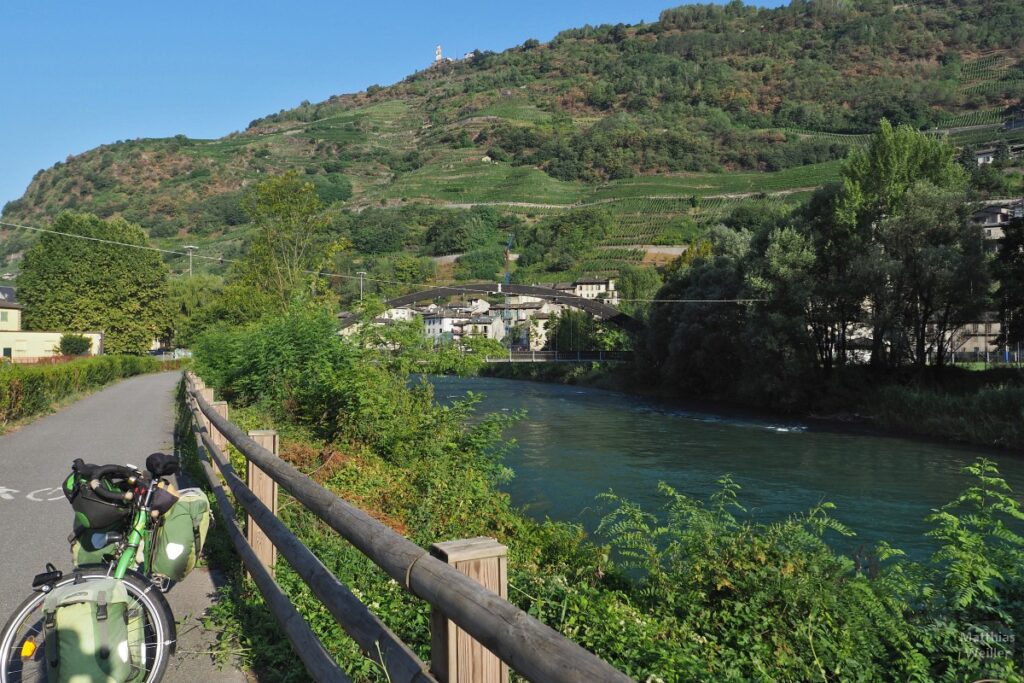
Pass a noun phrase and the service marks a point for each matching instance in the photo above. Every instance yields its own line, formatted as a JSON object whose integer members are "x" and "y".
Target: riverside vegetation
{"x": 697, "y": 591}
{"x": 852, "y": 306}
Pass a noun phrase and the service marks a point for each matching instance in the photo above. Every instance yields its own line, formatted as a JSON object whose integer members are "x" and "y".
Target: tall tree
{"x": 936, "y": 272}
{"x": 77, "y": 285}
{"x": 876, "y": 181}
{"x": 293, "y": 236}
{"x": 573, "y": 330}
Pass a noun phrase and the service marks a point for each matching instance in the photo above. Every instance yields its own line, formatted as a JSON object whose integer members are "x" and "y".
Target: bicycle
{"x": 138, "y": 497}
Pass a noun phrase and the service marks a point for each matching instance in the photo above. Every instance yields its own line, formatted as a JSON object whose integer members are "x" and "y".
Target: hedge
{"x": 30, "y": 390}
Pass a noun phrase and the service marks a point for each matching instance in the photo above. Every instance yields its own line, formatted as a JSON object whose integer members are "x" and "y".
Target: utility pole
{"x": 191, "y": 249}
{"x": 361, "y": 273}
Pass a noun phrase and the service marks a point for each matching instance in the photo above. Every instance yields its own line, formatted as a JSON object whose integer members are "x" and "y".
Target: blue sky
{"x": 75, "y": 75}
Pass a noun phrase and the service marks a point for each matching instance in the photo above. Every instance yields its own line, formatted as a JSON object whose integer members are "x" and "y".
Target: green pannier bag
{"x": 181, "y": 535}
{"x": 88, "y": 547}
{"x": 86, "y": 634}
{"x": 137, "y": 643}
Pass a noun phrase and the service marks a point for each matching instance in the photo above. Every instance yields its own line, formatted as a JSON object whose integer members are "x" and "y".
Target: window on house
{"x": 7, "y": 352}
{"x": 3, "y": 316}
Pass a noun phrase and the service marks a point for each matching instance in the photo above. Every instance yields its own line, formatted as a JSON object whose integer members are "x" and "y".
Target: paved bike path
{"x": 120, "y": 424}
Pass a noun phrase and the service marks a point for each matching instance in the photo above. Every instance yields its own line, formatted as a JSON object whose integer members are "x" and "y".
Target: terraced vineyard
{"x": 572, "y": 113}
{"x": 976, "y": 118}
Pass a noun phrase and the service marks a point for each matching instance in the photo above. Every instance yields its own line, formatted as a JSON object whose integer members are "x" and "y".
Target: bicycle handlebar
{"x": 112, "y": 472}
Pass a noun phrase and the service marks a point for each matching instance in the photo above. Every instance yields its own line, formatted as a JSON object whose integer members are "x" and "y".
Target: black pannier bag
{"x": 91, "y": 511}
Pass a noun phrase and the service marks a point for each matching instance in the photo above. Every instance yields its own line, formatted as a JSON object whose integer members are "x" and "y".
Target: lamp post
{"x": 361, "y": 273}
{"x": 191, "y": 249}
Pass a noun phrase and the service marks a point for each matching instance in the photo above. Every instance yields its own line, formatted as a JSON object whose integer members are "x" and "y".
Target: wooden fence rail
{"x": 318, "y": 662}
{"x": 525, "y": 644}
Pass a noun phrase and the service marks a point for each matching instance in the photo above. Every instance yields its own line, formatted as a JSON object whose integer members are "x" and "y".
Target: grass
{"x": 459, "y": 176}
{"x": 514, "y": 110}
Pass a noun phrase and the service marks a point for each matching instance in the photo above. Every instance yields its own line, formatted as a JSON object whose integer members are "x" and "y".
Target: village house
{"x": 403, "y": 313}
{"x": 994, "y": 218}
{"x": 439, "y": 324}
{"x": 486, "y": 326}
{"x": 18, "y": 345}
{"x": 976, "y": 340}
{"x": 597, "y": 288}
{"x": 602, "y": 288}
{"x": 984, "y": 156}
{"x": 528, "y": 317}
{"x": 471, "y": 307}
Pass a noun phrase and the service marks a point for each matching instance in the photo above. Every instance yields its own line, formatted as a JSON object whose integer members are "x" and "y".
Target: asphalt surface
{"x": 120, "y": 424}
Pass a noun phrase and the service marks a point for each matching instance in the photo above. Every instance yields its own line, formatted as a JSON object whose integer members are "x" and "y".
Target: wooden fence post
{"x": 265, "y": 489}
{"x": 207, "y": 395}
{"x": 218, "y": 439}
{"x": 455, "y": 656}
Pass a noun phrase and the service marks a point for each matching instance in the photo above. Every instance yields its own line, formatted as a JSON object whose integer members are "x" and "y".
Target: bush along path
{"x": 26, "y": 391}
{"x": 698, "y": 590}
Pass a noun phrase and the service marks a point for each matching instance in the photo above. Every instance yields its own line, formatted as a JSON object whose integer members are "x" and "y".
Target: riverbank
{"x": 976, "y": 408}
{"x": 703, "y": 562}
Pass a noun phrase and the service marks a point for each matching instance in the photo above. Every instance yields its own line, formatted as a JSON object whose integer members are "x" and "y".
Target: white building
{"x": 440, "y": 324}
{"x": 486, "y": 326}
{"x": 529, "y": 316}
{"x": 994, "y": 218}
{"x": 471, "y": 307}
{"x": 597, "y": 288}
{"x": 602, "y": 288}
{"x": 404, "y": 313}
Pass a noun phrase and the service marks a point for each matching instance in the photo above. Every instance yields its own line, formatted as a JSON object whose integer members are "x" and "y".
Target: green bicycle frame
{"x": 138, "y": 536}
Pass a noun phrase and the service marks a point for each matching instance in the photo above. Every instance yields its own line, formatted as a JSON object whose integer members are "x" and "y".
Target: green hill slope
{"x": 665, "y": 125}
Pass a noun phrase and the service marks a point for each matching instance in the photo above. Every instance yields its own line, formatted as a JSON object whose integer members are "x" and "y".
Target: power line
{"x": 145, "y": 247}
{"x": 481, "y": 289}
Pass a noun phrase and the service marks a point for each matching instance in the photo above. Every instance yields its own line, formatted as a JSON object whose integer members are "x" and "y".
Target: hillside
{"x": 665, "y": 127}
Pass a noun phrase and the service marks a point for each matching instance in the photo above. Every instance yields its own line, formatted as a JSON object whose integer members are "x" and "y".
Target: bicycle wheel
{"x": 26, "y": 664}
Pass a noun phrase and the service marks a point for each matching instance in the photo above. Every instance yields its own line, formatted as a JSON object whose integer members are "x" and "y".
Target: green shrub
{"x": 30, "y": 390}
{"x": 74, "y": 345}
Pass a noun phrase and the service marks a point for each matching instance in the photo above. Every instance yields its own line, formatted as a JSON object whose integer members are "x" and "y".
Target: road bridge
{"x": 562, "y": 357}
{"x": 595, "y": 307}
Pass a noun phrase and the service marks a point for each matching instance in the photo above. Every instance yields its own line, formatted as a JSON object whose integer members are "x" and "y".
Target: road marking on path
{"x": 55, "y": 494}
{"x": 52, "y": 494}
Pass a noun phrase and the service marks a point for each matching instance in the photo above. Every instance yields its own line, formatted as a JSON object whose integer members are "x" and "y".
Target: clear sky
{"x": 74, "y": 75}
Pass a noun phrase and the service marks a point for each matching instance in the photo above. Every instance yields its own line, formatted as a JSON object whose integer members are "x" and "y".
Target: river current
{"x": 576, "y": 443}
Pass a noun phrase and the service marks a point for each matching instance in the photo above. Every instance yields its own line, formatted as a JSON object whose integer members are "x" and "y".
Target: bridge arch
{"x": 595, "y": 307}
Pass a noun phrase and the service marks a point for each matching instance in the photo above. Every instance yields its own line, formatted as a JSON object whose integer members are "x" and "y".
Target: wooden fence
{"x": 476, "y": 634}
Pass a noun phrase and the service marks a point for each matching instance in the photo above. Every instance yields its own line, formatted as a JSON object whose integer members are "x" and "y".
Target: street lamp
{"x": 361, "y": 273}
{"x": 191, "y": 249}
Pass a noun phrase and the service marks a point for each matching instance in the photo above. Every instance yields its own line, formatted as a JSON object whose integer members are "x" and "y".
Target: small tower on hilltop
{"x": 437, "y": 55}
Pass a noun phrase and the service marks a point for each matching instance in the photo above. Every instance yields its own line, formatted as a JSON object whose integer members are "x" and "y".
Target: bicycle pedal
{"x": 163, "y": 583}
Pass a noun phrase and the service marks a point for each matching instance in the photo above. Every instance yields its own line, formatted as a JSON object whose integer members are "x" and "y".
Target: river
{"x": 577, "y": 442}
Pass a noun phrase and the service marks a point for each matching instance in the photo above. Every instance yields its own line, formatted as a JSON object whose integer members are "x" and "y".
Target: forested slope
{"x": 666, "y": 126}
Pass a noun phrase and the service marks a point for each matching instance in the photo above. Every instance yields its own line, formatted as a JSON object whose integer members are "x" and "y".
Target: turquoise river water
{"x": 576, "y": 442}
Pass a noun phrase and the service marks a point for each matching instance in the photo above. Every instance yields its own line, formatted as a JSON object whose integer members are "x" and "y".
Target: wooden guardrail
{"x": 471, "y": 624}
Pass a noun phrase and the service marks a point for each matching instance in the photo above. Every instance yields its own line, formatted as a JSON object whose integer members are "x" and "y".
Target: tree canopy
{"x": 293, "y": 236}
{"x": 77, "y": 285}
